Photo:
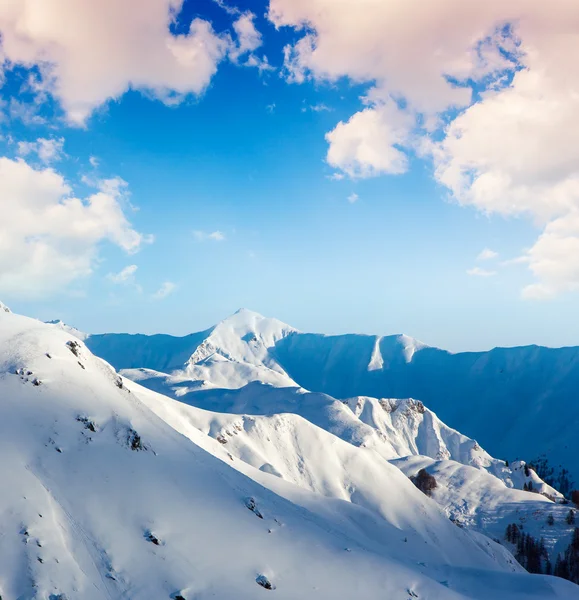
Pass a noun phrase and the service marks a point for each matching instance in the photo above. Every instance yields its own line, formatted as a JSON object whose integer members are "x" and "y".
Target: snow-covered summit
{"x": 4, "y": 308}
{"x": 230, "y": 354}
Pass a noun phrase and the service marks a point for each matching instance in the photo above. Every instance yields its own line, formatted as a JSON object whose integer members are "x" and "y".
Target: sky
{"x": 374, "y": 167}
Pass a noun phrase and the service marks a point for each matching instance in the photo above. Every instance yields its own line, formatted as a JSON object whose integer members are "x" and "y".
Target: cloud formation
{"x": 203, "y": 236}
{"x": 47, "y": 150}
{"x": 478, "y": 272}
{"x": 166, "y": 289}
{"x": 89, "y": 52}
{"x": 487, "y": 90}
{"x": 126, "y": 275}
{"x": 487, "y": 254}
{"x": 48, "y": 236}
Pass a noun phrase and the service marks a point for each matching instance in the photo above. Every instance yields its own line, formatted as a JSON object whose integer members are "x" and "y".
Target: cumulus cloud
{"x": 89, "y": 52}
{"x": 47, "y": 150}
{"x": 478, "y": 272}
{"x": 369, "y": 143}
{"x": 487, "y": 254}
{"x": 203, "y": 236}
{"x": 353, "y": 198}
{"x": 166, "y": 289}
{"x": 488, "y": 90}
{"x": 48, "y": 236}
{"x": 248, "y": 37}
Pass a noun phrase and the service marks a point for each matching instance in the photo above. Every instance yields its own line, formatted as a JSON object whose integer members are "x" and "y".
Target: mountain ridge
{"x": 82, "y": 444}
{"x": 530, "y": 387}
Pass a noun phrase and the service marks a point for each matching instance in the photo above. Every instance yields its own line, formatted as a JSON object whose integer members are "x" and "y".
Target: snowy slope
{"x": 480, "y": 495}
{"x": 517, "y": 402}
{"x": 70, "y": 330}
{"x": 104, "y": 498}
{"x": 392, "y": 428}
{"x": 479, "y": 501}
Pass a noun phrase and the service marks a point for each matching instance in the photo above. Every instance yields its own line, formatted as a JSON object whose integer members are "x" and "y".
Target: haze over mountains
{"x": 517, "y": 402}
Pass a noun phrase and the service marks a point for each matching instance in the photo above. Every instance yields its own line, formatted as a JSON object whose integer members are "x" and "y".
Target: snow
{"x": 517, "y": 402}
{"x": 482, "y": 502}
{"x": 71, "y": 330}
{"x": 231, "y": 354}
{"x": 376, "y": 361}
{"x": 111, "y": 490}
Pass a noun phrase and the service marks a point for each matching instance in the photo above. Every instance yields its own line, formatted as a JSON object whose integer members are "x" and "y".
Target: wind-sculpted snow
{"x": 517, "y": 402}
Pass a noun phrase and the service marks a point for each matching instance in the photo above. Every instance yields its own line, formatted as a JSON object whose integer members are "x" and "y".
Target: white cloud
{"x": 89, "y": 52}
{"x": 215, "y": 236}
{"x": 27, "y": 112}
{"x": 47, "y": 150}
{"x": 48, "y": 236}
{"x": 125, "y": 276}
{"x": 510, "y": 150}
{"x": 554, "y": 259}
{"x": 478, "y": 272}
{"x": 166, "y": 289}
{"x": 353, "y": 198}
{"x": 248, "y": 38}
{"x": 270, "y": 107}
{"x": 487, "y": 254}
{"x": 321, "y": 107}
{"x": 94, "y": 162}
{"x": 367, "y": 144}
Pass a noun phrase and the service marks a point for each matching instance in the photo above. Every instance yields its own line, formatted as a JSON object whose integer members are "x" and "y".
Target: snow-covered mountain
{"x": 114, "y": 491}
{"x": 517, "y": 402}
{"x": 229, "y": 355}
{"x": 476, "y": 499}
{"x": 279, "y": 431}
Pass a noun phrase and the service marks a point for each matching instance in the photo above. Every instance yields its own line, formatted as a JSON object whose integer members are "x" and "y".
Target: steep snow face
{"x": 4, "y": 308}
{"x": 104, "y": 498}
{"x": 476, "y": 499}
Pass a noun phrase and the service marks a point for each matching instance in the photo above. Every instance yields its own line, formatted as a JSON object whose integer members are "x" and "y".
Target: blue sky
{"x": 246, "y": 161}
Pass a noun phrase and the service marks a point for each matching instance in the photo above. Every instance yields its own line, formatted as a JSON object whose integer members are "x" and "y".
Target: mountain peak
{"x": 4, "y": 308}
{"x": 249, "y": 320}
{"x": 247, "y": 312}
